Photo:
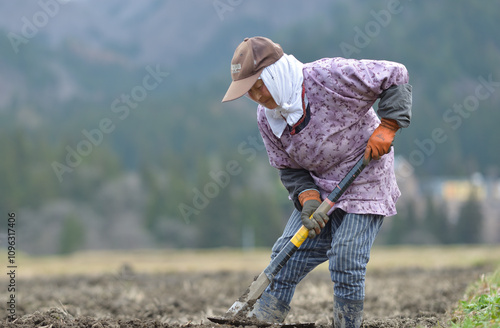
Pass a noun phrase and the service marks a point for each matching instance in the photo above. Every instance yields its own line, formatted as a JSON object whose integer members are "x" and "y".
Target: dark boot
{"x": 269, "y": 309}
{"x": 347, "y": 313}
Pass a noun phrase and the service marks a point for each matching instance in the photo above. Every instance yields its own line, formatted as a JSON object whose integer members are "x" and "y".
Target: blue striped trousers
{"x": 345, "y": 242}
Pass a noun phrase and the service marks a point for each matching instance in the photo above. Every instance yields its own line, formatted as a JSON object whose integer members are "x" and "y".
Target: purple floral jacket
{"x": 341, "y": 93}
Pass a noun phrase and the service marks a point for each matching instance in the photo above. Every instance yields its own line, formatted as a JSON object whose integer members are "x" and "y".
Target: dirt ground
{"x": 394, "y": 298}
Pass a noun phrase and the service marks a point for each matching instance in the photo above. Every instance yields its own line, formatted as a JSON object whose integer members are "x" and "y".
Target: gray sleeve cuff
{"x": 296, "y": 181}
{"x": 395, "y": 103}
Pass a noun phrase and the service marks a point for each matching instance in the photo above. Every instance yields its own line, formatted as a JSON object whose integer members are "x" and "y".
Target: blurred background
{"x": 113, "y": 135}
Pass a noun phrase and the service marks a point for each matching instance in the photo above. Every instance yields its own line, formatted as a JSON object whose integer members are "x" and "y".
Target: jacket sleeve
{"x": 296, "y": 181}
{"x": 395, "y": 103}
{"x": 363, "y": 80}
{"x": 385, "y": 80}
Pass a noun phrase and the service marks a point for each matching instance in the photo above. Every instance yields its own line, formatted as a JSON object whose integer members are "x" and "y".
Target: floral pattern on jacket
{"x": 341, "y": 93}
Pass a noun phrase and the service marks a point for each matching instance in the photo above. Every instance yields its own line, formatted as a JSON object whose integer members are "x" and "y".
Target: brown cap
{"x": 249, "y": 60}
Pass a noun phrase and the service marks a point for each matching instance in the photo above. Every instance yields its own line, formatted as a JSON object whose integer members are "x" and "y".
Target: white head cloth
{"x": 284, "y": 79}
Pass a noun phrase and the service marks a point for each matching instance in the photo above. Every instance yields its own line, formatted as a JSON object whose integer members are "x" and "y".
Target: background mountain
{"x": 91, "y": 151}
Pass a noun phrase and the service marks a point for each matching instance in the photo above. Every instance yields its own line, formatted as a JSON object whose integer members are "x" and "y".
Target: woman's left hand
{"x": 381, "y": 139}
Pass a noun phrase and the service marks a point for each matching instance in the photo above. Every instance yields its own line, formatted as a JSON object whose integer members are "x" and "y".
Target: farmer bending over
{"x": 317, "y": 120}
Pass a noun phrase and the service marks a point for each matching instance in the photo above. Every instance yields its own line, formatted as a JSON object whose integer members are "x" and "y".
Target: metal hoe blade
{"x": 245, "y": 303}
{"x": 243, "y": 322}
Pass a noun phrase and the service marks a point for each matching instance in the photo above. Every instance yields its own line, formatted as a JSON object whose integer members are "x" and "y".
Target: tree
{"x": 470, "y": 222}
{"x": 436, "y": 222}
{"x": 72, "y": 235}
{"x": 404, "y": 227}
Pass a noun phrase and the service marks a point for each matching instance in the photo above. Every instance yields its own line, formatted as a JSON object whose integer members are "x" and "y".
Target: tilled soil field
{"x": 394, "y": 298}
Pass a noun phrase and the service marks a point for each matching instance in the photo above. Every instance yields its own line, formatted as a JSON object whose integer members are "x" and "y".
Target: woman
{"x": 317, "y": 120}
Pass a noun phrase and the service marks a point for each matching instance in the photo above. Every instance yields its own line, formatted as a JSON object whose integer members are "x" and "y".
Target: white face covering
{"x": 284, "y": 79}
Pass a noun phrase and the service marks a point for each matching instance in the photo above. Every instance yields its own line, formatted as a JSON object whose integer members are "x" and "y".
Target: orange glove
{"x": 381, "y": 140}
{"x": 314, "y": 222}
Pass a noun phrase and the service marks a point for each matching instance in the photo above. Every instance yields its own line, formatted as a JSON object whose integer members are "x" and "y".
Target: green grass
{"x": 482, "y": 305}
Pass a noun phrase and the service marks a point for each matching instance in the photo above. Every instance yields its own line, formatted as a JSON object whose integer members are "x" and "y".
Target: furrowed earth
{"x": 395, "y": 297}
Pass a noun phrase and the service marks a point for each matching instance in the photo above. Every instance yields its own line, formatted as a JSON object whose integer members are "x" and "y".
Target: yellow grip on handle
{"x": 301, "y": 235}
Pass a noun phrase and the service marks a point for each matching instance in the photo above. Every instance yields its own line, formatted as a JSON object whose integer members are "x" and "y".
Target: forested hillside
{"x": 104, "y": 145}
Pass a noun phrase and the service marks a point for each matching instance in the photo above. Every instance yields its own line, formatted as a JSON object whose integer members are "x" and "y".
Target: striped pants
{"x": 345, "y": 241}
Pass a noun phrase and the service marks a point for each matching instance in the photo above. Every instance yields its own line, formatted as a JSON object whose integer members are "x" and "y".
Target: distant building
{"x": 453, "y": 192}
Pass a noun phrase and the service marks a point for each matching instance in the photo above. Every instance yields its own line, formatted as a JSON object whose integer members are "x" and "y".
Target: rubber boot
{"x": 347, "y": 313}
{"x": 269, "y": 309}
